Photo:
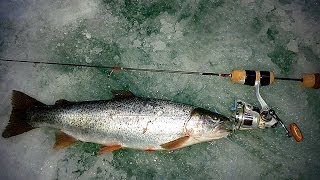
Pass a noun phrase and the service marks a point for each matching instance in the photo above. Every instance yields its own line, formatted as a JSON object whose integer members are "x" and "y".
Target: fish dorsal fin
{"x": 122, "y": 94}
{"x": 109, "y": 148}
{"x": 63, "y": 140}
{"x": 175, "y": 144}
{"x": 61, "y": 102}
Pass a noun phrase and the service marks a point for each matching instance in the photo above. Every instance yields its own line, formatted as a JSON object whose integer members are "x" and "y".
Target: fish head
{"x": 208, "y": 125}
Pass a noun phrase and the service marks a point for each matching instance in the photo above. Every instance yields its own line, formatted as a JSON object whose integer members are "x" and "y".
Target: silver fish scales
{"x": 131, "y": 122}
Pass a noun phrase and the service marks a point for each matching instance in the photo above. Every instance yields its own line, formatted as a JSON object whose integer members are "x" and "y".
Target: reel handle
{"x": 296, "y": 132}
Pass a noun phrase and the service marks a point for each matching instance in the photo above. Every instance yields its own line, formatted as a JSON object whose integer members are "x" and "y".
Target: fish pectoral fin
{"x": 175, "y": 144}
{"x": 61, "y": 102}
{"x": 63, "y": 140}
{"x": 118, "y": 94}
{"x": 109, "y": 148}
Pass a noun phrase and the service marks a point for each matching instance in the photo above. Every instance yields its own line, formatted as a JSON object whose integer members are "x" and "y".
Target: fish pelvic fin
{"x": 18, "y": 122}
{"x": 175, "y": 144}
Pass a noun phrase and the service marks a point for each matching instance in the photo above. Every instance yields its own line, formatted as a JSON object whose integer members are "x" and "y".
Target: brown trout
{"x": 125, "y": 121}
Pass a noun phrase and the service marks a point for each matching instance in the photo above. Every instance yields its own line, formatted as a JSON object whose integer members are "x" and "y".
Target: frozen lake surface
{"x": 194, "y": 35}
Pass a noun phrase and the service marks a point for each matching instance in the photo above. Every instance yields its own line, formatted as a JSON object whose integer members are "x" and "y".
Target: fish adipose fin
{"x": 62, "y": 102}
{"x": 109, "y": 148}
{"x": 175, "y": 144}
{"x": 18, "y": 122}
{"x": 122, "y": 94}
{"x": 63, "y": 140}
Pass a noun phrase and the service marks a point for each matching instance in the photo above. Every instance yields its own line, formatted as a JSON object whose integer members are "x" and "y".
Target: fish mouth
{"x": 221, "y": 121}
{"x": 222, "y": 131}
{"x": 220, "y": 128}
{"x": 218, "y": 132}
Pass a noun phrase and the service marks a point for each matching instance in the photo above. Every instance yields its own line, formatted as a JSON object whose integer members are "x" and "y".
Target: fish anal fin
{"x": 63, "y": 140}
{"x": 61, "y": 102}
{"x": 119, "y": 94}
{"x": 109, "y": 148}
{"x": 175, "y": 144}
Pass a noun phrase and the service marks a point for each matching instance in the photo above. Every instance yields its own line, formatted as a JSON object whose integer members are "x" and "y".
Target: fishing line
{"x": 115, "y": 68}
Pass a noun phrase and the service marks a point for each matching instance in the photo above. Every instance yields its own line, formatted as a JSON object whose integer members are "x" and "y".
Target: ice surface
{"x": 202, "y": 35}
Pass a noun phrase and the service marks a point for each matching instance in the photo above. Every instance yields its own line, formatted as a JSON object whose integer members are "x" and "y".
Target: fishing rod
{"x": 246, "y": 116}
{"x": 246, "y": 77}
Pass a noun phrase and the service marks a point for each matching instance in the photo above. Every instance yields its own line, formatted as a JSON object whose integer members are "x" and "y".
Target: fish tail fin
{"x": 18, "y": 122}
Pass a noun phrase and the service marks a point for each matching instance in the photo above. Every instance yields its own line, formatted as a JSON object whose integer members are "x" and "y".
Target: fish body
{"x": 130, "y": 122}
